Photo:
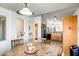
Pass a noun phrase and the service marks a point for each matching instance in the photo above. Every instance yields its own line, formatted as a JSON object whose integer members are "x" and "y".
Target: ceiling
{"x": 40, "y": 8}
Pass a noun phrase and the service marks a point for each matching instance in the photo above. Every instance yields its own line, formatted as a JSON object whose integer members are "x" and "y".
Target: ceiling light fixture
{"x": 25, "y": 11}
{"x": 55, "y": 18}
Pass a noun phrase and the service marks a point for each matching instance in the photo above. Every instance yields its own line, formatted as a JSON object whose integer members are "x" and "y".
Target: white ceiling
{"x": 40, "y": 8}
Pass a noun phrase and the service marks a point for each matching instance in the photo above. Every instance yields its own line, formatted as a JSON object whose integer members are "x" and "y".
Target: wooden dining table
{"x": 43, "y": 49}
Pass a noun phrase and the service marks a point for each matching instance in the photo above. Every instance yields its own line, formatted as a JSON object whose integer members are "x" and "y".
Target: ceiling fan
{"x": 25, "y": 11}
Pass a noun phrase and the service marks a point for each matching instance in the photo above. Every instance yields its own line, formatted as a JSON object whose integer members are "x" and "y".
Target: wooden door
{"x": 36, "y": 31}
{"x": 69, "y": 33}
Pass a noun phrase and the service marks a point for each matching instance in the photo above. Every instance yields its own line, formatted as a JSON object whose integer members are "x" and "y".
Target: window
{"x": 54, "y": 25}
{"x": 2, "y": 28}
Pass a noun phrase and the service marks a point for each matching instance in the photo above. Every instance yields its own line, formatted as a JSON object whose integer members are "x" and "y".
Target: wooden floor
{"x": 44, "y": 49}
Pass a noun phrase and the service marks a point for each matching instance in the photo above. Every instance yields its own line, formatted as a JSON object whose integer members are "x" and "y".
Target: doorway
{"x": 36, "y": 31}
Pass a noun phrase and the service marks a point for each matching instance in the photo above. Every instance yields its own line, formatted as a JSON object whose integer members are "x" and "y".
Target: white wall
{"x": 5, "y": 44}
{"x": 26, "y": 36}
{"x": 60, "y": 13}
{"x": 37, "y": 20}
{"x": 32, "y": 21}
{"x": 77, "y": 13}
{"x": 11, "y": 31}
{"x": 14, "y": 18}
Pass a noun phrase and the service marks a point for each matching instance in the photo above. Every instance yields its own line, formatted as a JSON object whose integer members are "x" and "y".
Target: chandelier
{"x": 25, "y": 11}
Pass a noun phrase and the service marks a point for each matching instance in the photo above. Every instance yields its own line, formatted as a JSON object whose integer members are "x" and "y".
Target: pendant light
{"x": 25, "y": 11}
{"x": 55, "y": 17}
